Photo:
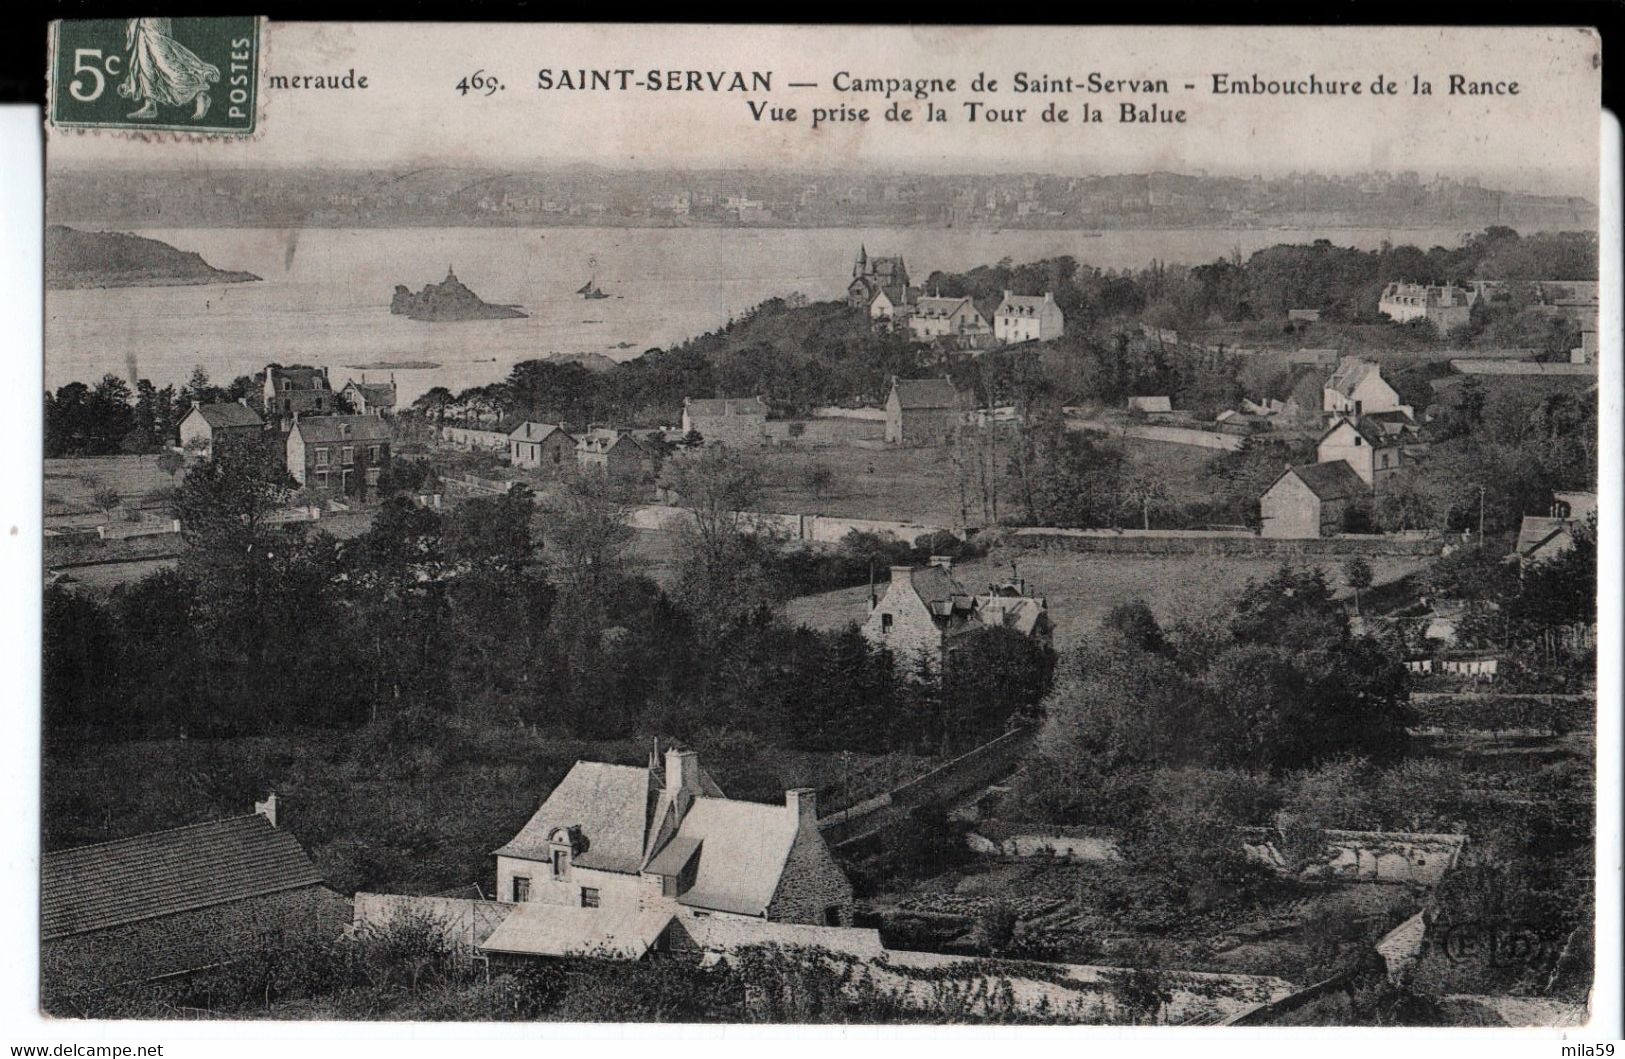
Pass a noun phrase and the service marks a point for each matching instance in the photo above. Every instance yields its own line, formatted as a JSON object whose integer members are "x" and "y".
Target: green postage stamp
{"x": 193, "y": 75}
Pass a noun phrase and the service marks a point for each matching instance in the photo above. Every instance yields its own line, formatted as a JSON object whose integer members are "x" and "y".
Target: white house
{"x": 637, "y": 844}
{"x": 936, "y": 317}
{"x": 1024, "y": 318}
{"x": 1374, "y": 454}
{"x": 1357, "y": 388}
{"x": 925, "y": 609}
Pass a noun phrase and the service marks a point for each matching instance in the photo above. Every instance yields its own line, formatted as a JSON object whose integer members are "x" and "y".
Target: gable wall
{"x": 812, "y": 883}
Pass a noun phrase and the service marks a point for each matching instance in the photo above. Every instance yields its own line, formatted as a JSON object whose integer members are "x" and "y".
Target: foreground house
{"x": 1313, "y": 500}
{"x": 922, "y": 411}
{"x": 1028, "y": 318}
{"x": 617, "y": 850}
{"x": 737, "y": 421}
{"x": 542, "y": 447}
{"x": 925, "y": 610}
{"x": 209, "y": 425}
{"x": 169, "y": 902}
{"x": 339, "y": 454}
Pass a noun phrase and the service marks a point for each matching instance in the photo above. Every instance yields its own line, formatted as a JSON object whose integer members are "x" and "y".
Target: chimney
{"x": 803, "y": 805}
{"x": 267, "y": 808}
{"x": 682, "y": 771}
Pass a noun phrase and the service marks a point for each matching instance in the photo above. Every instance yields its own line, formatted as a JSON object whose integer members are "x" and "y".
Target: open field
{"x": 905, "y": 484}
{"x": 1082, "y": 588}
{"x": 72, "y": 484}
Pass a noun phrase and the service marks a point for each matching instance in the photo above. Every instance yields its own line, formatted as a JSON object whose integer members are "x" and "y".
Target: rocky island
{"x": 76, "y": 260}
{"x": 447, "y": 301}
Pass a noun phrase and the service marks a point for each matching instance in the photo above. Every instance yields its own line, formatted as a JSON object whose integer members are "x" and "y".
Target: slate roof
{"x": 1019, "y": 613}
{"x": 603, "y": 439}
{"x": 940, "y": 307}
{"x": 228, "y": 414}
{"x": 1335, "y": 480}
{"x": 302, "y": 376}
{"x": 1538, "y": 533}
{"x": 530, "y": 430}
{"x": 938, "y": 589}
{"x": 1023, "y": 304}
{"x": 1351, "y": 371}
{"x": 725, "y": 406}
{"x": 743, "y": 847}
{"x": 535, "y": 928}
{"x": 132, "y": 879}
{"x": 381, "y": 394}
{"x": 1372, "y": 432}
{"x": 610, "y": 803}
{"x": 321, "y": 430}
{"x": 925, "y": 393}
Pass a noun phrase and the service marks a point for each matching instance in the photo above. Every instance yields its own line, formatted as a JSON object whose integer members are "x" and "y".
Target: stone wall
{"x": 1219, "y": 542}
{"x": 465, "y": 922}
{"x": 812, "y": 883}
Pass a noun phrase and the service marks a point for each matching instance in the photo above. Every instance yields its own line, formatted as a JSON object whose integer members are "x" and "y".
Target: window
{"x": 349, "y": 455}
{"x": 559, "y": 863}
{"x": 885, "y": 623}
{"x": 832, "y": 916}
{"x": 321, "y": 479}
{"x": 521, "y": 889}
{"x": 589, "y": 897}
{"x": 372, "y": 476}
{"x": 372, "y": 453}
{"x": 321, "y": 457}
{"x": 318, "y": 404}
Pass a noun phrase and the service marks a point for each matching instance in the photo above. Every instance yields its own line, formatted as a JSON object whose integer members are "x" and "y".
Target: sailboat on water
{"x": 590, "y": 289}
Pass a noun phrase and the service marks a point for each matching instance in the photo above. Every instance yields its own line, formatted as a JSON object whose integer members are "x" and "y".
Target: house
{"x": 542, "y": 447}
{"x": 614, "y": 453}
{"x": 1024, "y": 318}
{"x": 338, "y": 454}
{"x": 168, "y": 902}
{"x": 922, "y": 411}
{"x": 1357, "y": 388}
{"x": 207, "y": 425}
{"x": 1543, "y": 537}
{"x": 1446, "y": 308}
{"x": 1373, "y": 453}
{"x": 871, "y": 276}
{"x": 926, "y": 609}
{"x": 935, "y": 317}
{"x": 1151, "y": 406}
{"x": 296, "y": 388}
{"x": 1312, "y": 500}
{"x": 737, "y": 421}
{"x": 616, "y": 851}
{"x": 370, "y": 398}
{"x": 477, "y": 436}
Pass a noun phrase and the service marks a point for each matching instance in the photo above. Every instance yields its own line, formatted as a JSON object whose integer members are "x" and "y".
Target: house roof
{"x": 302, "y": 376}
{"x": 1350, "y": 373}
{"x": 1540, "y": 533}
{"x": 936, "y": 306}
{"x": 530, "y": 430}
{"x": 609, "y": 803}
{"x": 743, "y": 847}
{"x": 324, "y": 429}
{"x": 1373, "y": 433}
{"x": 938, "y": 589}
{"x": 228, "y": 414}
{"x": 375, "y": 393}
{"x": 725, "y": 406}
{"x": 535, "y": 928}
{"x": 1020, "y": 613}
{"x": 1151, "y": 404}
{"x": 1024, "y": 304}
{"x": 132, "y": 879}
{"x": 925, "y": 393}
{"x": 602, "y": 439}
{"x": 1334, "y": 480}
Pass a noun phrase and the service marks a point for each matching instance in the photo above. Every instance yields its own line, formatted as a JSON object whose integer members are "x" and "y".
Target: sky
{"x": 1542, "y": 139}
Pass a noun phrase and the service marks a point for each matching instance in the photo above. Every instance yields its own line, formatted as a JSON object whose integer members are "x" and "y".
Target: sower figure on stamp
{"x": 162, "y": 70}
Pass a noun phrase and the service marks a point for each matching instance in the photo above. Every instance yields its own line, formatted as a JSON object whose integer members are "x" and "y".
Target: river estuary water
{"x": 325, "y": 295}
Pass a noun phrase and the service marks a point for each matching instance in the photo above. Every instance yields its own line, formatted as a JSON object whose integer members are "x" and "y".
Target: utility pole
{"x": 1481, "y": 516}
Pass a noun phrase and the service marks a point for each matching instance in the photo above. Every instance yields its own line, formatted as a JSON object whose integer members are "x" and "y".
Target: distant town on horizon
{"x": 591, "y": 195}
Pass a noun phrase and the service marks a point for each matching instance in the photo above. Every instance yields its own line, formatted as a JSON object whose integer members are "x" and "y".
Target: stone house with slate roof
{"x": 296, "y": 388}
{"x": 344, "y": 455}
{"x": 1027, "y": 318}
{"x": 1371, "y": 451}
{"x": 170, "y": 902}
{"x": 922, "y": 411}
{"x": 1357, "y": 388}
{"x": 616, "y": 454}
{"x": 617, "y": 854}
{"x": 1313, "y": 500}
{"x": 207, "y": 425}
{"x": 877, "y": 275}
{"x": 926, "y": 609}
{"x": 542, "y": 447}
{"x": 737, "y": 421}
{"x": 370, "y": 398}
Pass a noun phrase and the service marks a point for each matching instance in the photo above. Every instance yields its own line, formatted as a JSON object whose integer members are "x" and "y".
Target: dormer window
{"x": 565, "y": 842}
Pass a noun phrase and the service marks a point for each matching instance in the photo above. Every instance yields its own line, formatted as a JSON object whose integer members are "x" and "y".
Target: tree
{"x": 587, "y": 537}
{"x": 723, "y": 569}
{"x": 1357, "y": 572}
{"x": 819, "y": 477}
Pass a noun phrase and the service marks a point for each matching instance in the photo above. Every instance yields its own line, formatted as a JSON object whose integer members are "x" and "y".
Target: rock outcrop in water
{"x": 76, "y": 260}
{"x": 447, "y": 301}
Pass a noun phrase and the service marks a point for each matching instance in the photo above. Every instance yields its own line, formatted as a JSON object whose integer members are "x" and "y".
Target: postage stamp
{"x": 192, "y": 75}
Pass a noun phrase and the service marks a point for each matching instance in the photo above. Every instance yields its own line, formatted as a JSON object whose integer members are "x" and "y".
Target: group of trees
{"x": 498, "y": 609}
